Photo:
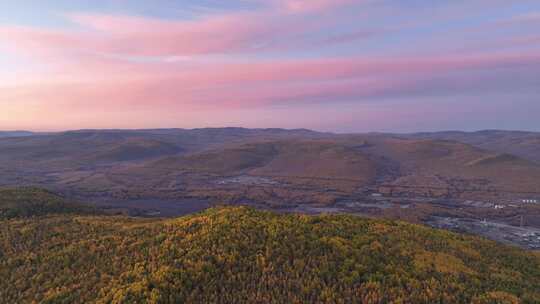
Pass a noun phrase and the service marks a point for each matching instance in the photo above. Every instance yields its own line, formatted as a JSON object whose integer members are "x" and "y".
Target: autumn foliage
{"x": 241, "y": 255}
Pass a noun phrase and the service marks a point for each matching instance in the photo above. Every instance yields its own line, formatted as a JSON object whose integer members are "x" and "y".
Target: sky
{"x": 330, "y": 65}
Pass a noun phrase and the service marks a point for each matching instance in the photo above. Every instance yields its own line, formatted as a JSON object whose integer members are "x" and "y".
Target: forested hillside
{"x": 240, "y": 255}
{"x": 28, "y": 202}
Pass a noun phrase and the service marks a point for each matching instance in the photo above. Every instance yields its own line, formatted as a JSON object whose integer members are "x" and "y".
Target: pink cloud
{"x": 45, "y": 43}
{"x": 303, "y": 6}
{"x": 110, "y": 52}
{"x": 116, "y": 84}
{"x": 224, "y": 33}
{"x": 161, "y": 90}
{"x": 134, "y": 36}
{"x": 147, "y": 37}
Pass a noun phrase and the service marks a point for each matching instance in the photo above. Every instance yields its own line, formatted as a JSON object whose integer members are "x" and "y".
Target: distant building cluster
{"x": 529, "y": 201}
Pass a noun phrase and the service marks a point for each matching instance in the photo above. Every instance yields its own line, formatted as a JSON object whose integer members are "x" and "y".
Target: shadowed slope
{"x": 455, "y": 162}
{"x": 498, "y": 159}
{"x": 305, "y": 159}
{"x": 522, "y": 144}
{"x": 226, "y": 161}
{"x": 27, "y": 202}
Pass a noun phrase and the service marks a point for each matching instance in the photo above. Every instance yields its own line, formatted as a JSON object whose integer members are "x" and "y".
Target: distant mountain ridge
{"x": 120, "y": 145}
{"x": 212, "y": 130}
{"x": 17, "y": 133}
{"x": 310, "y": 166}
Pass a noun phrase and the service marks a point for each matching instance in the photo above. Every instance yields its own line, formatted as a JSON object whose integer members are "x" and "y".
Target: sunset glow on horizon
{"x": 332, "y": 65}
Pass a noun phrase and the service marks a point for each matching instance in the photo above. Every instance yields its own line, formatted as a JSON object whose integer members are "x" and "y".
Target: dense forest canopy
{"x": 241, "y": 255}
{"x": 28, "y": 202}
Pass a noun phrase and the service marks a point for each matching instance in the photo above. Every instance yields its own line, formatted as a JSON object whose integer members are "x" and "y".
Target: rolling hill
{"x": 232, "y": 160}
{"x": 268, "y": 166}
{"x": 135, "y": 149}
{"x": 91, "y": 147}
{"x": 304, "y": 159}
{"x": 519, "y": 143}
{"x": 31, "y": 202}
{"x": 239, "y": 255}
{"x": 452, "y": 164}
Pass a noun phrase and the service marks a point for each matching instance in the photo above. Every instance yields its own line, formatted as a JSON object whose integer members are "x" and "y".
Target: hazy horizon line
{"x": 268, "y": 128}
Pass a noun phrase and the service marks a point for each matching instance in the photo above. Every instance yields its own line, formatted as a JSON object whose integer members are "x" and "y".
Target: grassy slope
{"x": 312, "y": 159}
{"x": 239, "y": 255}
{"x": 522, "y": 144}
{"x": 456, "y": 160}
